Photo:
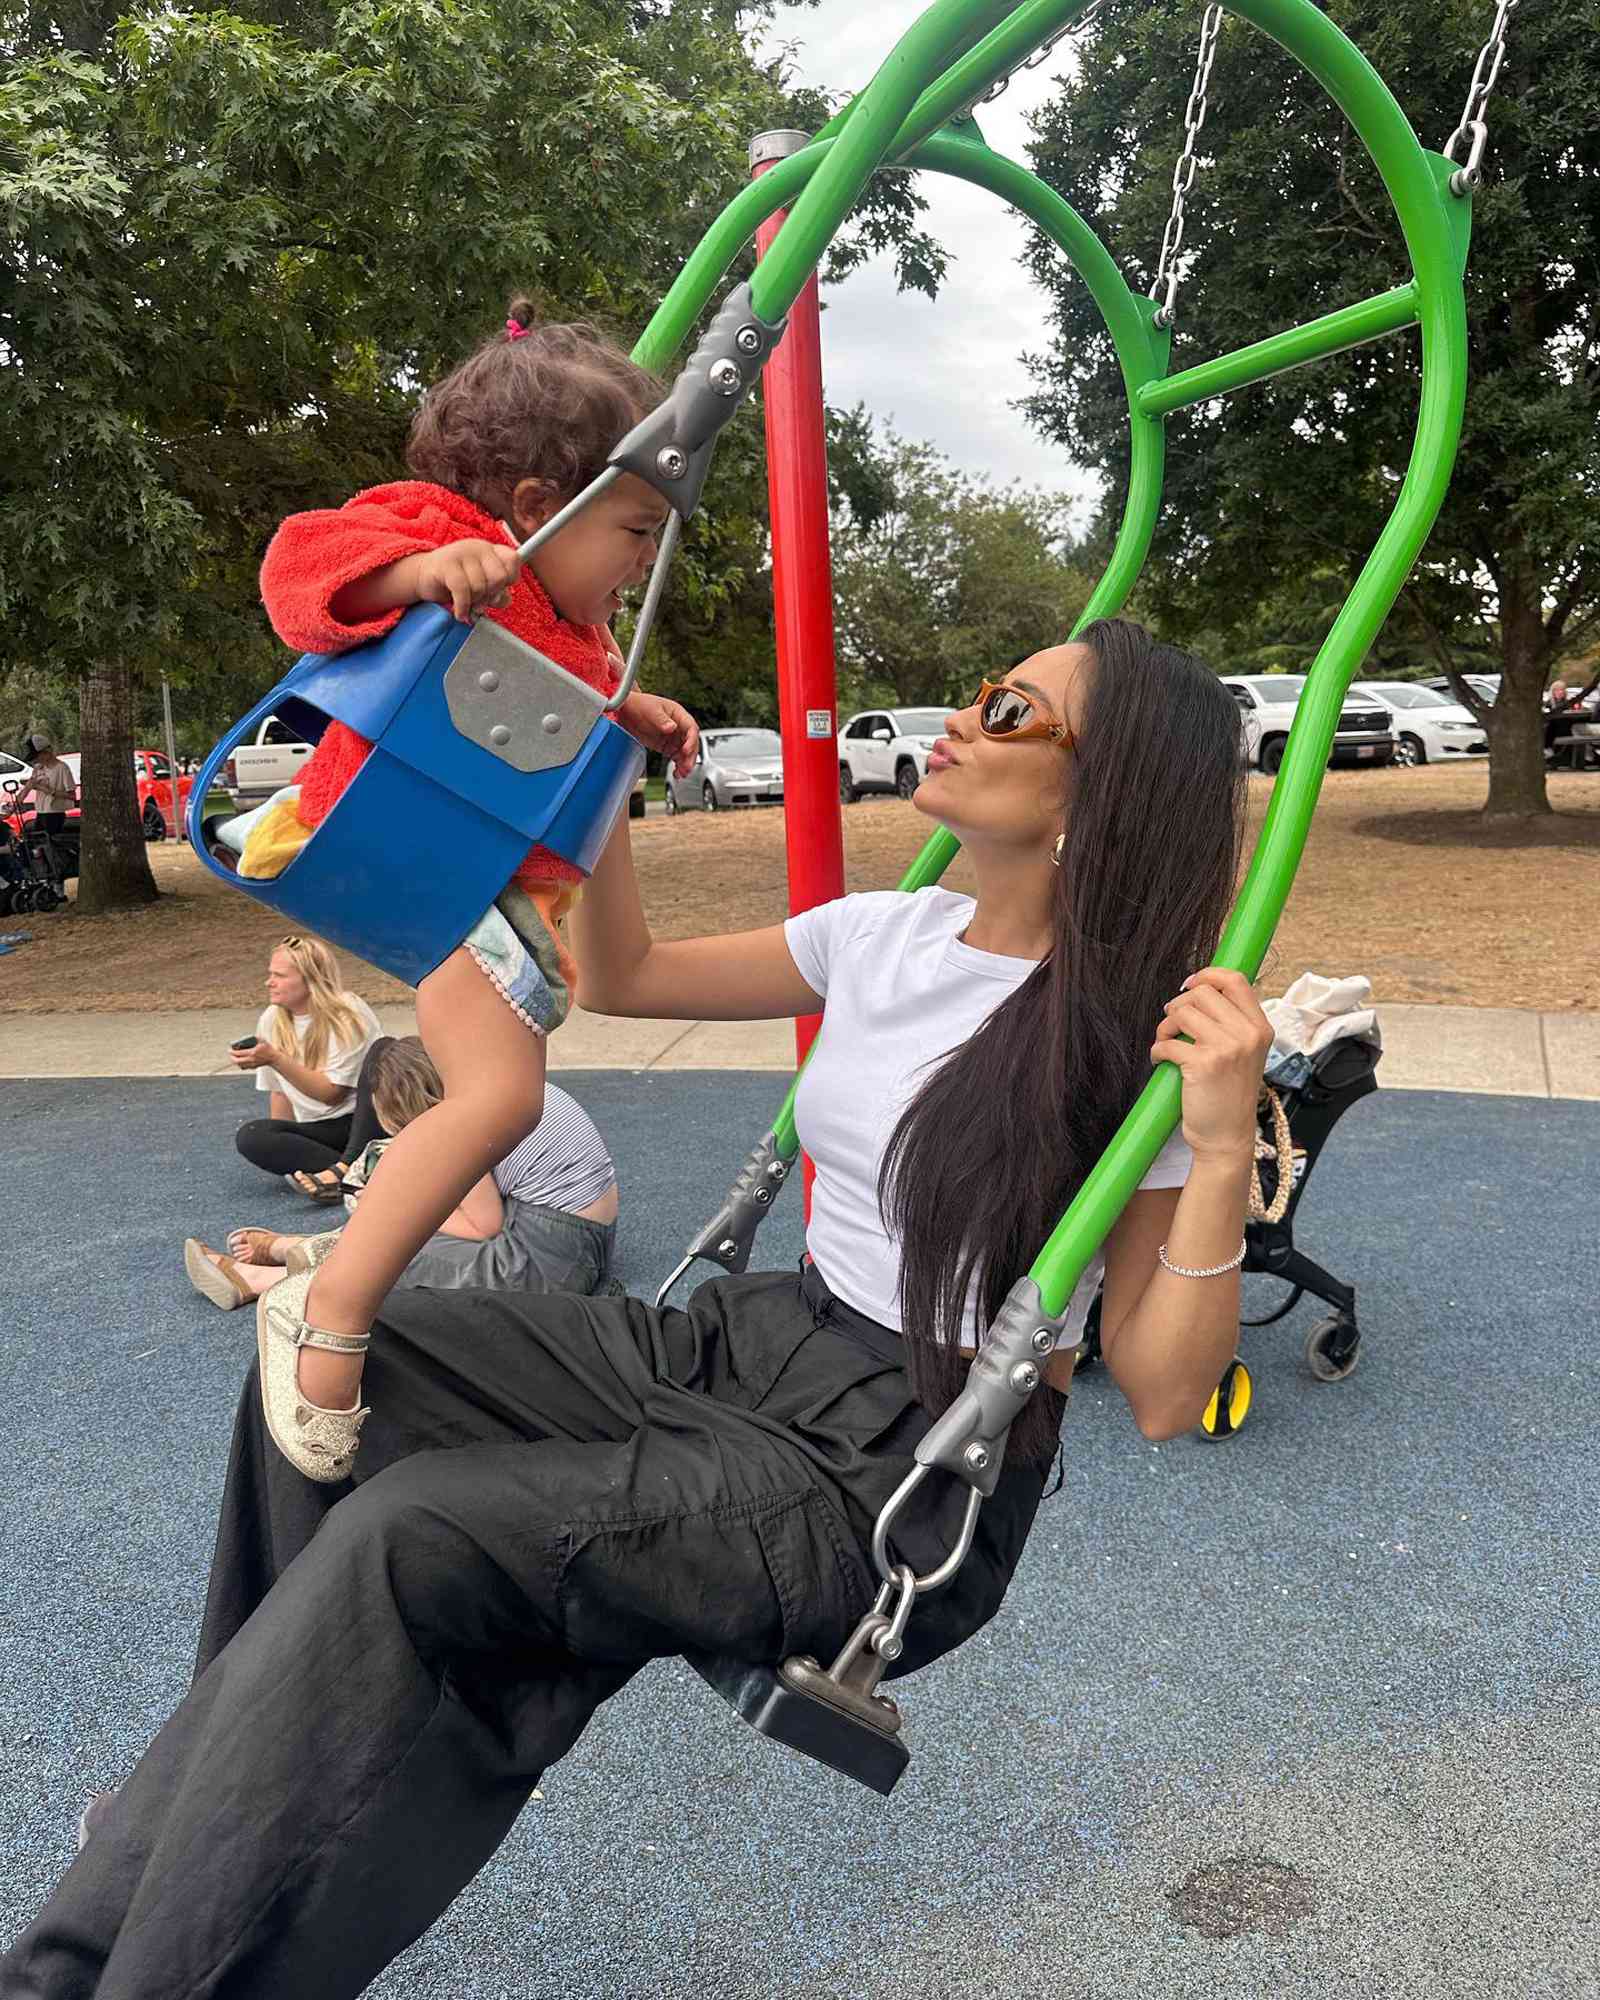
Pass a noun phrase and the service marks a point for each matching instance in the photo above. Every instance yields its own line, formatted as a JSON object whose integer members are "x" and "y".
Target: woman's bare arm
{"x": 314, "y": 1082}
{"x": 1166, "y": 1339}
{"x": 748, "y": 976}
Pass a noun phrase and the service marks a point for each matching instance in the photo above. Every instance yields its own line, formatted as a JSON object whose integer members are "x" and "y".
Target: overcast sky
{"x": 949, "y": 370}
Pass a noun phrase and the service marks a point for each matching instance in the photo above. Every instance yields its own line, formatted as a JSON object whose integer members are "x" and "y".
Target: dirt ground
{"x": 1400, "y": 881}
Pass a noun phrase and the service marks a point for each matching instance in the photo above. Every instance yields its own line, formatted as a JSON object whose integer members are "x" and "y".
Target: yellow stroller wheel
{"x": 1230, "y": 1402}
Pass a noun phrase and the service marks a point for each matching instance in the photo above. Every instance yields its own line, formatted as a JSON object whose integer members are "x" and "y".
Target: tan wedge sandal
{"x": 320, "y": 1443}
{"x": 214, "y": 1275}
{"x": 252, "y": 1246}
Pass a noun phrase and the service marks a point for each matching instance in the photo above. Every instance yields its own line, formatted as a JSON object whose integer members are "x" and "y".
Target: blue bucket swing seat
{"x": 482, "y": 748}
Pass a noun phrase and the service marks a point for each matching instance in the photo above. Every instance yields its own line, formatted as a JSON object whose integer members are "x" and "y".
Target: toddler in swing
{"x": 498, "y": 447}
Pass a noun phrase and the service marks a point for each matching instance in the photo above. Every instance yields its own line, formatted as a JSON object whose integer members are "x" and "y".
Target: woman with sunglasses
{"x": 553, "y": 1491}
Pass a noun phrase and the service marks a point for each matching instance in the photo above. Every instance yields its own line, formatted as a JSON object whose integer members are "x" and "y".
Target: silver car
{"x": 736, "y": 767}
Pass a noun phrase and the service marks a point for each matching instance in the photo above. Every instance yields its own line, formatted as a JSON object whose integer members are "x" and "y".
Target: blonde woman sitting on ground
{"x": 310, "y": 1043}
{"x": 543, "y": 1221}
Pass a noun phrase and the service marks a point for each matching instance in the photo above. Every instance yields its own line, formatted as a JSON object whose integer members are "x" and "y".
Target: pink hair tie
{"x": 515, "y": 330}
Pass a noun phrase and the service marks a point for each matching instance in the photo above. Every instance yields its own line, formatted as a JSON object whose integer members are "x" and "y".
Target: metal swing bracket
{"x": 517, "y": 704}
{"x": 837, "y": 1714}
{"x": 729, "y": 1236}
{"x": 671, "y": 449}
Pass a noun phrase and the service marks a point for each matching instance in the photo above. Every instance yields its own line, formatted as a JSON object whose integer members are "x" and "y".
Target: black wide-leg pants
{"x": 550, "y": 1492}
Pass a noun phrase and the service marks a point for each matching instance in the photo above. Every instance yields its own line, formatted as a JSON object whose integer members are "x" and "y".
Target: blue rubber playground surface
{"x": 1312, "y": 1712}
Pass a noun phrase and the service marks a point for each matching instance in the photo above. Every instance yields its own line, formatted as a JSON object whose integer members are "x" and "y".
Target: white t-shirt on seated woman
{"x": 339, "y": 1066}
{"x": 902, "y": 992}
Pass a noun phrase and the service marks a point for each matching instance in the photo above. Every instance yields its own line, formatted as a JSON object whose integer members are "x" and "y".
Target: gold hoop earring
{"x": 1055, "y": 852}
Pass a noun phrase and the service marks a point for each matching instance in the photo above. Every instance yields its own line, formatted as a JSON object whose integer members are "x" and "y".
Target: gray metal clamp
{"x": 671, "y": 449}
{"x": 729, "y": 1236}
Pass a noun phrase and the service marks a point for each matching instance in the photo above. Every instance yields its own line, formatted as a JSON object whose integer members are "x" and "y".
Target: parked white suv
{"x": 1267, "y": 703}
{"x": 886, "y": 750}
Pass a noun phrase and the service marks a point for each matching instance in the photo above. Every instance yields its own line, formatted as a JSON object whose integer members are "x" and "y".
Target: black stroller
{"x": 1341, "y": 1075}
{"x": 35, "y": 866}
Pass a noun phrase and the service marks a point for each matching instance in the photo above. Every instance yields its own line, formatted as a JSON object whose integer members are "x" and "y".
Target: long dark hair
{"x": 1000, "y": 1137}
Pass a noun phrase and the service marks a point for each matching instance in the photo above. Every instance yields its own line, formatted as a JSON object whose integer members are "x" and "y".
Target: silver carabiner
{"x": 936, "y": 1578}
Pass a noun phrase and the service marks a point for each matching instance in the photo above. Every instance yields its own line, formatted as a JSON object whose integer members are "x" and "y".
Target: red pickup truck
{"x": 153, "y": 777}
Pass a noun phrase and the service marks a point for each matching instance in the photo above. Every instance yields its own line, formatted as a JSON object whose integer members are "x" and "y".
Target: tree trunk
{"x": 115, "y": 869}
{"x": 1515, "y": 724}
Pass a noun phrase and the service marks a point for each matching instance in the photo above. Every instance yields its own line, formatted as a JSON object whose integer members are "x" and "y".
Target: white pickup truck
{"x": 256, "y": 770}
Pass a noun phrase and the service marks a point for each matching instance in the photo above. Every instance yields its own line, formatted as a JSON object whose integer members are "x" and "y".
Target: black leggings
{"x": 550, "y": 1492}
{"x": 286, "y": 1146}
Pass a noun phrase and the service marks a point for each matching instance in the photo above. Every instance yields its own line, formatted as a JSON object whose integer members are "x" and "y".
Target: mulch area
{"x": 1402, "y": 880}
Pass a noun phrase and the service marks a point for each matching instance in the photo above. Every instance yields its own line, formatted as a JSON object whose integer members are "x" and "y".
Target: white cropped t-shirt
{"x": 902, "y": 991}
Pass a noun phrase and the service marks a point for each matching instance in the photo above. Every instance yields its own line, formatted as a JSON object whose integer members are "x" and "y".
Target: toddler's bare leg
{"x": 492, "y": 1069}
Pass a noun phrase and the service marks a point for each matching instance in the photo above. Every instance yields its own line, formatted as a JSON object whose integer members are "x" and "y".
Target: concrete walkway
{"x": 1490, "y": 1051}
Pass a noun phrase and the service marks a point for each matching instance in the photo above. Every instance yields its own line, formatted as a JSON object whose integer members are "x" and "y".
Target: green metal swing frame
{"x": 916, "y": 115}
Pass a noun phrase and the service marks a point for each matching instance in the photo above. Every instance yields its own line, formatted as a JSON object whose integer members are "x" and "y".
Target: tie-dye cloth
{"x": 517, "y": 944}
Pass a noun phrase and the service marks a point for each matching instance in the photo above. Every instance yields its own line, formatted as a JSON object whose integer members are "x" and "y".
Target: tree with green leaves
{"x": 238, "y": 244}
{"x": 1291, "y": 480}
{"x": 939, "y": 579}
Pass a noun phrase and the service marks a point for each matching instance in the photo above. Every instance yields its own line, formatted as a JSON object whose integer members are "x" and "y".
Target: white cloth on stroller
{"x": 1315, "y": 1013}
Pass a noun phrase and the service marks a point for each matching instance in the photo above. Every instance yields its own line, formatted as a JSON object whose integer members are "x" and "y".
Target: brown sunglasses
{"x": 1011, "y": 715}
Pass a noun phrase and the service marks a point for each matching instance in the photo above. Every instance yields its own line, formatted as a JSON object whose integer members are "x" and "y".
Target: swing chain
{"x": 1473, "y": 129}
{"x": 1042, "y": 54}
{"x": 1165, "y": 287}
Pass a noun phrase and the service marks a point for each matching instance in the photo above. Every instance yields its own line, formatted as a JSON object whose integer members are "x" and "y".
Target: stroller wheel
{"x": 1333, "y": 1347}
{"x": 1230, "y": 1402}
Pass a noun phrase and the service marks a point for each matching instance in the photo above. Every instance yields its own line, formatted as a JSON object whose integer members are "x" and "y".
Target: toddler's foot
{"x": 310, "y": 1383}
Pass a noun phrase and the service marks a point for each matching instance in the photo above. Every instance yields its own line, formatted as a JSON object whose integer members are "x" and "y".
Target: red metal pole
{"x": 802, "y": 589}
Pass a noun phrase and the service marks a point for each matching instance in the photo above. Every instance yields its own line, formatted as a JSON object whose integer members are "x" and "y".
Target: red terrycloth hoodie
{"x": 313, "y": 556}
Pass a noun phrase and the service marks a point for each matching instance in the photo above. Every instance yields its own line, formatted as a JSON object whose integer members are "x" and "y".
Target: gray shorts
{"x": 538, "y": 1249}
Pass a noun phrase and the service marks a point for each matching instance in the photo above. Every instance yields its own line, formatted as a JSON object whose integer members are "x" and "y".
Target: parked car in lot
{"x": 886, "y": 750}
{"x": 735, "y": 767}
{"x": 152, "y": 778}
{"x": 1484, "y": 686}
{"x": 1429, "y": 727}
{"x": 1267, "y": 703}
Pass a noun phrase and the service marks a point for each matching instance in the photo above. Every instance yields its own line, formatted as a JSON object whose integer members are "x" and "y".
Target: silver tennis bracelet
{"x": 1213, "y": 1271}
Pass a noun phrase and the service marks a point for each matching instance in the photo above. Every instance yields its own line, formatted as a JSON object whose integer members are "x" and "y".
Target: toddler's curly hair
{"x": 538, "y": 401}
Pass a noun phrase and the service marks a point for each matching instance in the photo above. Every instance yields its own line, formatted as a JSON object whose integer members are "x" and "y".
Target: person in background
{"x": 51, "y": 783}
{"x": 544, "y": 1220}
{"x": 307, "y": 1052}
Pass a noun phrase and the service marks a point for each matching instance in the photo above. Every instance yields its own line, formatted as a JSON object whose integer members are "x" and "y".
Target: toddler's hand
{"x": 467, "y": 576}
{"x": 660, "y": 724}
